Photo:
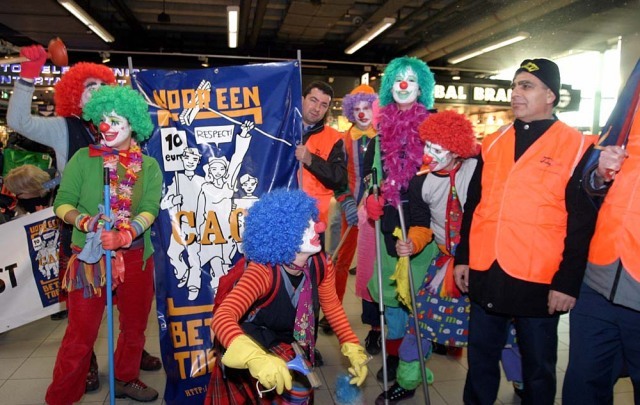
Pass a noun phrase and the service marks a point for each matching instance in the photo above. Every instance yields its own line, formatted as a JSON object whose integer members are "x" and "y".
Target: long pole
{"x": 107, "y": 226}
{"x": 414, "y": 309}
{"x": 385, "y": 385}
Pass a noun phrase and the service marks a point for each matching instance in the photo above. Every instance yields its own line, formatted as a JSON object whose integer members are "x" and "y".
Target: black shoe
{"x": 438, "y": 348}
{"x": 92, "y": 382}
{"x": 324, "y": 325}
{"x": 58, "y": 316}
{"x": 352, "y": 271}
{"x": 392, "y": 367}
{"x": 319, "y": 361}
{"x": 395, "y": 394}
{"x": 518, "y": 388}
{"x": 373, "y": 342}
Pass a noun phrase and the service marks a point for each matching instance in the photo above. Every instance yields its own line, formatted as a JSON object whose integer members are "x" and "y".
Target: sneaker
{"x": 373, "y": 342}
{"x": 319, "y": 361}
{"x": 136, "y": 390}
{"x": 92, "y": 382}
{"x": 149, "y": 362}
{"x": 395, "y": 394}
{"x": 324, "y": 325}
{"x": 392, "y": 367}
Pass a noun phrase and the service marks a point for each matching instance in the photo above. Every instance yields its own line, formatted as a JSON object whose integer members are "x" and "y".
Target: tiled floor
{"x": 27, "y": 355}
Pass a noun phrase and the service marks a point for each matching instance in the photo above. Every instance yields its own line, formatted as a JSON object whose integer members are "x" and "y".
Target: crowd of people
{"x": 477, "y": 240}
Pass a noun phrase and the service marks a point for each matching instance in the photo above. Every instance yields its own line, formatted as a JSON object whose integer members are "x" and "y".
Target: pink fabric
{"x": 366, "y": 254}
{"x": 85, "y": 315}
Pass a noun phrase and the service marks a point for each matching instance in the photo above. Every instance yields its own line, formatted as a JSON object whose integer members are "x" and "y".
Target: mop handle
{"x": 107, "y": 226}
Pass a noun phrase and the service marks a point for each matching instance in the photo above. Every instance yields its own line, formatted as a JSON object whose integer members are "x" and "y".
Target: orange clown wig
{"x": 68, "y": 91}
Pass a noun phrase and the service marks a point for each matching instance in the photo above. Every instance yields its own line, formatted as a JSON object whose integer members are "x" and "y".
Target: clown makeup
{"x": 310, "y": 238}
{"x": 362, "y": 112}
{"x": 90, "y": 85}
{"x": 405, "y": 88}
{"x": 441, "y": 158}
{"x": 116, "y": 131}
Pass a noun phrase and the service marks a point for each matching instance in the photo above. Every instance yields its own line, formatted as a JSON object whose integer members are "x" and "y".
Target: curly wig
{"x": 426, "y": 81}
{"x": 125, "y": 102}
{"x": 452, "y": 131}
{"x": 68, "y": 91}
{"x": 275, "y": 225}
{"x": 360, "y": 93}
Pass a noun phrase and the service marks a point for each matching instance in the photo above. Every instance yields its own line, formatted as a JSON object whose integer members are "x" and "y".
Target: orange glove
{"x": 114, "y": 240}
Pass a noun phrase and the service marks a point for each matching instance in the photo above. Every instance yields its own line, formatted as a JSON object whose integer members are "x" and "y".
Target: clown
{"x": 406, "y": 94}
{"x": 65, "y": 134}
{"x": 135, "y": 188}
{"x": 282, "y": 245}
{"x": 436, "y": 199}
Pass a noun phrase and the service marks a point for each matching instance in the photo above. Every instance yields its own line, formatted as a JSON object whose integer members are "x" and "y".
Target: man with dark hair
{"x": 324, "y": 164}
{"x": 524, "y": 238}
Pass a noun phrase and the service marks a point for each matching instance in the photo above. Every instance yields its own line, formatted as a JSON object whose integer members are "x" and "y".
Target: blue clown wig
{"x": 275, "y": 224}
{"x": 426, "y": 80}
{"x": 126, "y": 102}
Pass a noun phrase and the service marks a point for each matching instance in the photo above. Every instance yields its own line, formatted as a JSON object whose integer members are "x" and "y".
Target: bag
{"x": 16, "y": 157}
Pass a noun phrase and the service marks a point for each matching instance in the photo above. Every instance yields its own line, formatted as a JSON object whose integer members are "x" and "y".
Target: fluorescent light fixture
{"x": 373, "y": 32}
{"x": 204, "y": 61}
{"x": 233, "y": 13}
{"x": 106, "y": 57}
{"x": 490, "y": 47}
{"x": 86, "y": 19}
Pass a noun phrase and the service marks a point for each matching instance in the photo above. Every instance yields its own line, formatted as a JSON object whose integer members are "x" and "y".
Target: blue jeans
{"x": 538, "y": 343}
{"x": 603, "y": 337}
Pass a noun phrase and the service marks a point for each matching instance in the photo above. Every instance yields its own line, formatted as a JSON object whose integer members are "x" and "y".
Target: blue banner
{"x": 223, "y": 137}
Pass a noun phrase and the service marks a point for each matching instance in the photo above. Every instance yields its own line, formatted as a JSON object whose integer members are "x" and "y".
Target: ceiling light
{"x": 373, "y": 32}
{"x": 86, "y": 19}
{"x": 233, "y": 14}
{"x": 204, "y": 61}
{"x": 490, "y": 47}
{"x": 163, "y": 17}
{"x": 106, "y": 57}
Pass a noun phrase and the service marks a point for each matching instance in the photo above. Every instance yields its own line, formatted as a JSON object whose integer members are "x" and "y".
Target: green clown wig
{"x": 426, "y": 82}
{"x": 275, "y": 225}
{"x": 126, "y": 102}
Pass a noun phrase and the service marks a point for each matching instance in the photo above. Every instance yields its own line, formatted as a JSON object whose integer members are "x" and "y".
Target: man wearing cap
{"x": 525, "y": 237}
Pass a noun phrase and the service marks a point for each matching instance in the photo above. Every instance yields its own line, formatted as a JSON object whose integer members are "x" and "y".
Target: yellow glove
{"x": 270, "y": 370}
{"x": 358, "y": 359}
{"x": 401, "y": 276}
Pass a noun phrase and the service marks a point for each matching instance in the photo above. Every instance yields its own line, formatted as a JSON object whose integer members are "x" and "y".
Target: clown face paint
{"x": 441, "y": 158}
{"x": 311, "y": 239}
{"x": 90, "y": 85}
{"x": 405, "y": 87}
{"x": 363, "y": 113}
{"x": 116, "y": 131}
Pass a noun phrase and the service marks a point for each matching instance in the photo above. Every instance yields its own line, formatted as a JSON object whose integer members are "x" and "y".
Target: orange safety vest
{"x": 320, "y": 144}
{"x": 617, "y": 233}
{"x": 521, "y": 220}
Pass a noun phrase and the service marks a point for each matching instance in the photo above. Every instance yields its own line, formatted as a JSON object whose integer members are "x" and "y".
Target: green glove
{"x": 359, "y": 359}
{"x": 270, "y": 370}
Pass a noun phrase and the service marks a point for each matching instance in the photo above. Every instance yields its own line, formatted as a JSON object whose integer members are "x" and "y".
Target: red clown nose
{"x": 104, "y": 127}
{"x": 404, "y": 85}
{"x": 361, "y": 115}
{"x": 426, "y": 159}
{"x": 320, "y": 227}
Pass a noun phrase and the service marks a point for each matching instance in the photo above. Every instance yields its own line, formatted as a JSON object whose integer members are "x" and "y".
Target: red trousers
{"x": 345, "y": 257}
{"x": 134, "y": 298}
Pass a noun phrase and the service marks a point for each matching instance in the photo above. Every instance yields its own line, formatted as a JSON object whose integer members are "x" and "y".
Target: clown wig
{"x": 426, "y": 81}
{"x": 275, "y": 225}
{"x": 361, "y": 93}
{"x": 125, "y": 102}
{"x": 68, "y": 91}
{"x": 452, "y": 131}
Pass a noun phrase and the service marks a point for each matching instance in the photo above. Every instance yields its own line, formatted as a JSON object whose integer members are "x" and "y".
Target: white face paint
{"x": 117, "y": 131}
{"x": 310, "y": 239}
{"x": 90, "y": 85}
{"x": 441, "y": 157}
{"x": 363, "y": 113}
{"x": 405, "y": 87}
